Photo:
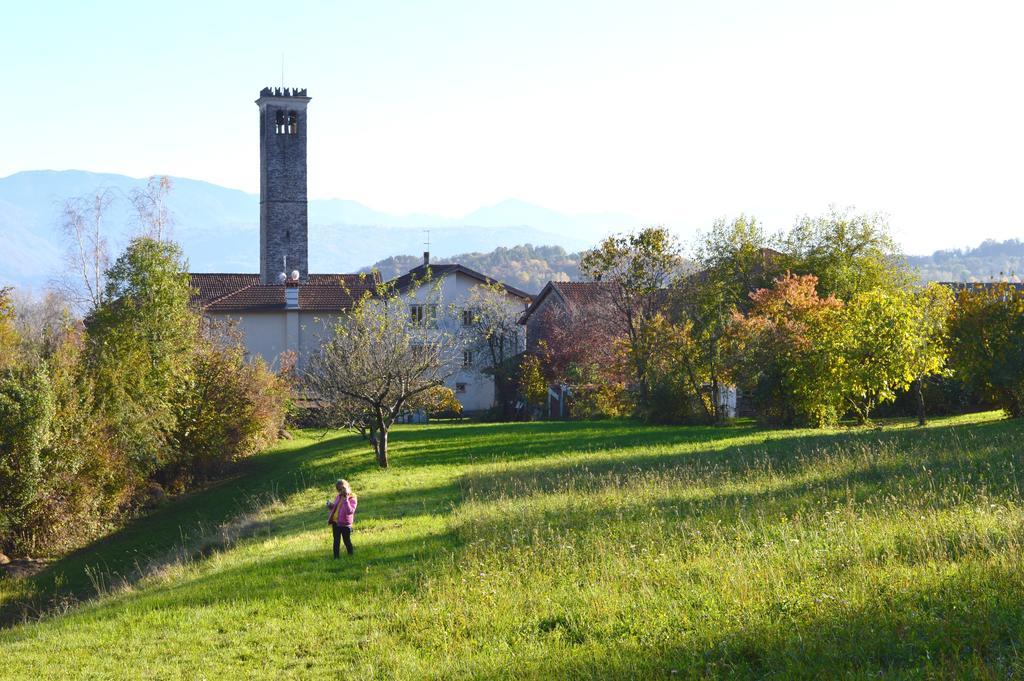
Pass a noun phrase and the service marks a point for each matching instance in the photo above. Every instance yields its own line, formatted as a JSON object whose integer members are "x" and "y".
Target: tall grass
{"x": 595, "y": 551}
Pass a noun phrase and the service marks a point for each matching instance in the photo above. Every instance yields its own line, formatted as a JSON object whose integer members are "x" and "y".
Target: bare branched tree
{"x": 152, "y": 217}
{"x": 386, "y": 358}
{"x": 83, "y": 282}
{"x": 41, "y": 322}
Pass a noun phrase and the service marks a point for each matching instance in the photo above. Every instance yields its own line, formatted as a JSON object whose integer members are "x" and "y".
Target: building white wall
{"x": 452, "y": 293}
{"x": 314, "y": 329}
{"x": 269, "y": 333}
{"x": 263, "y": 333}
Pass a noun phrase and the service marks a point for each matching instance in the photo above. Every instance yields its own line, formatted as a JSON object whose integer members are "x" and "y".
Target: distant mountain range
{"x": 991, "y": 261}
{"x": 526, "y": 267}
{"x": 530, "y": 267}
{"x": 218, "y": 227}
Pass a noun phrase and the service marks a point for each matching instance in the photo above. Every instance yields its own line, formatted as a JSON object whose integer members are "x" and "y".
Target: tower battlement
{"x": 283, "y": 92}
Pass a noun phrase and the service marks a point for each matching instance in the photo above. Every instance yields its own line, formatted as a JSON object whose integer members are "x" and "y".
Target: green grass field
{"x": 565, "y": 550}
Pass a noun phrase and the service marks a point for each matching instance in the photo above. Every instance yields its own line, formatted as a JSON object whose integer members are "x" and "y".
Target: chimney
{"x": 291, "y": 295}
{"x": 426, "y": 258}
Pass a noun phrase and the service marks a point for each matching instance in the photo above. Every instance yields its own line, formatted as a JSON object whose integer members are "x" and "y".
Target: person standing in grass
{"x": 342, "y": 512}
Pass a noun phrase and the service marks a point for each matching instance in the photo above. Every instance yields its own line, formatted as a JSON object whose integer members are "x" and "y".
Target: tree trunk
{"x": 919, "y": 389}
{"x": 715, "y": 415}
{"x": 504, "y": 394}
{"x": 382, "y": 447}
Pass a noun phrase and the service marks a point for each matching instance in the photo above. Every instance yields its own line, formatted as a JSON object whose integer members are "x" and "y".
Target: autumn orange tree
{"x": 783, "y": 352}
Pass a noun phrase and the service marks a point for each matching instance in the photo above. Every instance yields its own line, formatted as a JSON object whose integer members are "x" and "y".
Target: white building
{"x": 452, "y": 285}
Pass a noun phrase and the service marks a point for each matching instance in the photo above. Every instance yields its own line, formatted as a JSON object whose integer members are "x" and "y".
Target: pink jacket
{"x": 346, "y": 513}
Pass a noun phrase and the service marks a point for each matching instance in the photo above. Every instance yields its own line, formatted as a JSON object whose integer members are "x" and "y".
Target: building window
{"x": 279, "y": 123}
{"x": 460, "y": 388}
{"x": 467, "y": 359}
{"x": 467, "y": 317}
{"x": 293, "y": 123}
{"x": 423, "y": 315}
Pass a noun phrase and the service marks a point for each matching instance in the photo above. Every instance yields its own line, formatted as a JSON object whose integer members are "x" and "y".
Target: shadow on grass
{"x": 181, "y": 522}
{"x": 791, "y": 455}
{"x": 296, "y": 467}
{"x": 964, "y": 625}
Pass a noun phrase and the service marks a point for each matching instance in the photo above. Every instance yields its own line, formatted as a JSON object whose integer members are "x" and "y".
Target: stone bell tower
{"x": 284, "y": 215}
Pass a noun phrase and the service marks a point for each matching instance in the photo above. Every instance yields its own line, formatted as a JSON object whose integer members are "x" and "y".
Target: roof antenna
{"x": 426, "y": 253}
{"x": 282, "y": 74}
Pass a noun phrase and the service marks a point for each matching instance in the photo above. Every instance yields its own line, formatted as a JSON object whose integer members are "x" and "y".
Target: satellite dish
{"x": 281, "y": 278}
{"x": 295, "y": 275}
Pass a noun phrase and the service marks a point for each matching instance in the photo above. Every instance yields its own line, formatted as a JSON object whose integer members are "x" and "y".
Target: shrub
{"x": 26, "y": 409}
{"x": 86, "y": 483}
{"x": 784, "y": 353}
{"x": 986, "y": 328}
{"x": 227, "y": 409}
{"x": 533, "y": 387}
{"x": 8, "y": 335}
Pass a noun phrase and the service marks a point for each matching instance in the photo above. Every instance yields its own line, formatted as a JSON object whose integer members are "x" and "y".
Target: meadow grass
{"x": 565, "y": 550}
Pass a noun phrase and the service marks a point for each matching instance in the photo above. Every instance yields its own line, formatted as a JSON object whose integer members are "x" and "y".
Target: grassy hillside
{"x": 576, "y": 550}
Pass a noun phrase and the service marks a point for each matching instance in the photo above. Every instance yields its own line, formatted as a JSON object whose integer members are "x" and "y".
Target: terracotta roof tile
{"x": 582, "y": 293}
{"x": 244, "y": 292}
{"x": 577, "y": 295}
{"x": 209, "y": 287}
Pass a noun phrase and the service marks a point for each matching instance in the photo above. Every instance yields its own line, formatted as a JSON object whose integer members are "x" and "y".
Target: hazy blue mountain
{"x": 587, "y": 226}
{"x": 526, "y": 267}
{"x": 218, "y": 227}
{"x": 990, "y": 261}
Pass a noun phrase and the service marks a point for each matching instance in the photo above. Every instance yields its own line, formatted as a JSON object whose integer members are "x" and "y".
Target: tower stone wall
{"x": 284, "y": 212}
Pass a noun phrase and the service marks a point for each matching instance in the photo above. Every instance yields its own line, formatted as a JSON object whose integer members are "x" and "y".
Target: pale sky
{"x": 673, "y": 112}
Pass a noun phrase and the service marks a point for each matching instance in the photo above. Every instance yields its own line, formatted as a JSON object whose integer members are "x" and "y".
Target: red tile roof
{"x": 244, "y": 292}
{"x": 577, "y": 295}
{"x": 582, "y": 293}
{"x": 206, "y": 288}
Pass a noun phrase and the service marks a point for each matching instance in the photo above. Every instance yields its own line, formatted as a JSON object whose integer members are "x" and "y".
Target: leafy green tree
{"x": 680, "y": 372}
{"x": 87, "y": 481}
{"x": 930, "y": 349}
{"x": 739, "y": 258}
{"x": 734, "y": 259}
{"x": 638, "y": 268}
{"x": 885, "y": 348}
{"x": 26, "y": 409}
{"x": 140, "y": 345}
{"x": 8, "y": 335}
{"x": 848, "y": 253}
{"x": 986, "y": 350}
{"x": 532, "y": 384}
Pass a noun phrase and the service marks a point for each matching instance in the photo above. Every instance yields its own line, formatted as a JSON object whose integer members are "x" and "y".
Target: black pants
{"x": 342, "y": 532}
